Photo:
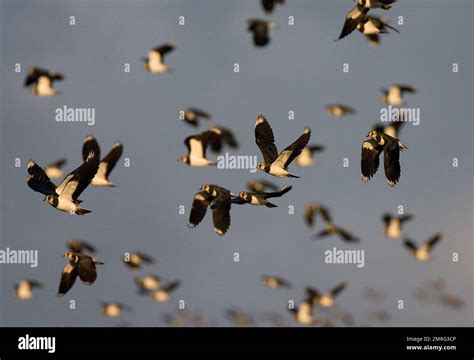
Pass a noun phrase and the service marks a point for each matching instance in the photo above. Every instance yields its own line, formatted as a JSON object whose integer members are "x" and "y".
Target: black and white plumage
{"x": 376, "y": 4}
{"x": 134, "y": 260}
{"x": 197, "y": 146}
{"x": 42, "y": 81}
{"x": 303, "y": 313}
{"x": 393, "y": 224}
{"x": 65, "y": 196}
{"x": 394, "y": 95}
{"x": 423, "y": 252}
{"x": 312, "y": 210}
{"x": 163, "y": 293}
{"x": 371, "y": 150}
{"x": 269, "y": 5}
{"x": 219, "y": 200}
{"x": 24, "y": 289}
{"x": 225, "y": 137}
{"x": 306, "y": 159}
{"x": 106, "y": 165}
{"x": 259, "y": 186}
{"x": 353, "y": 18}
{"x": 113, "y": 309}
{"x": 79, "y": 246}
{"x": 277, "y": 164}
{"x": 331, "y": 229}
{"x": 260, "y": 29}
{"x": 392, "y": 128}
{"x": 79, "y": 264}
{"x": 260, "y": 199}
{"x": 192, "y": 116}
{"x": 274, "y": 282}
{"x": 339, "y": 110}
{"x": 327, "y": 299}
{"x": 372, "y": 27}
{"x": 53, "y": 170}
{"x": 154, "y": 63}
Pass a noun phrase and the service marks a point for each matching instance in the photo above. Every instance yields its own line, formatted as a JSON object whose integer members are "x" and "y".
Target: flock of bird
{"x": 276, "y": 163}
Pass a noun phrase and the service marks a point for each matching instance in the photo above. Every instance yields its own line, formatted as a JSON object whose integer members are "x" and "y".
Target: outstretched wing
{"x": 90, "y": 144}
{"x": 353, "y": 19}
{"x": 370, "y": 159}
{"x": 265, "y": 139}
{"x": 198, "y": 210}
{"x": 38, "y": 181}
{"x": 392, "y": 162}
{"x": 68, "y": 277}
{"x": 291, "y": 152}
{"x": 108, "y": 163}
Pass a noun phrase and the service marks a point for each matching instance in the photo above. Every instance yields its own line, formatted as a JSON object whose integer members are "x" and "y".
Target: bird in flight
{"x": 192, "y": 115}
{"x": 260, "y": 29}
{"x": 327, "y": 299}
{"x": 277, "y": 164}
{"x": 42, "y": 81}
{"x": 312, "y": 210}
{"x": 339, "y": 110}
{"x": 393, "y": 224}
{"x": 53, "y": 170}
{"x": 305, "y": 159}
{"x": 394, "y": 95}
{"x": 260, "y": 199}
{"x": 423, "y": 252}
{"x": 78, "y": 246}
{"x": 24, "y": 289}
{"x": 154, "y": 63}
{"x": 274, "y": 282}
{"x": 79, "y": 264}
{"x": 269, "y": 5}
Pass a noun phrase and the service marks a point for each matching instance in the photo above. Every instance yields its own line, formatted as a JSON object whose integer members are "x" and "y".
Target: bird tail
{"x": 81, "y": 211}
{"x": 293, "y": 176}
{"x": 270, "y": 205}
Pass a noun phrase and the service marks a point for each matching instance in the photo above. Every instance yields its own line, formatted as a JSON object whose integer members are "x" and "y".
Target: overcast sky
{"x": 300, "y": 71}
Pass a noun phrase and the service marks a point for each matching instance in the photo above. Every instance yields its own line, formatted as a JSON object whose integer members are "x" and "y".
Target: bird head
{"x": 245, "y": 195}
{"x": 261, "y": 166}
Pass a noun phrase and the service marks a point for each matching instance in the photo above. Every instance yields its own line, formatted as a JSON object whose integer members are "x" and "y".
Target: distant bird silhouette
{"x": 260, "y": 30}
{"x": 42, "y": 81}
{"x": 154, "y": 63}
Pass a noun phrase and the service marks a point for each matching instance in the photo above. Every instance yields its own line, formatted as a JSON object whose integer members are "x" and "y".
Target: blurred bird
{"x": 327, "y": 299}
{"x": 197, "y": 145}
{"x": 339, "y": 110}
{"x": 24, "y": 289}
{"x": 379, "y": 315}
{"x": 260, "y": 199}
{"x": 154, "y": 63}
{"x": 393, "y": 224}
{"x": 303, "y": 313}
{"x": 65, "y": 196}
{"x": 134, "y": 260}
{"x": 373, "y": 295}
{"x": 147, "y": 283}
{"x": 423, "y": 252}
{"x": 53, "y": 170}
{"x": 260, "y": 29}
{"x": 192, "y": 116}
{"x": 353, "y": 18}
{"x": 42, "y": 81}
{"x": 332, "y": 229}
{"x": 372, "y": 27}
{"x": 239, "y": 317}
{"x": 225, "y": 137}
{"x": 274, "y": 282}
{"x": 314, "y": 209}
{"x": 371, "y": 150}
{"x": 113, "y": 309}
{"x": 394, "y": 94}
{"x": 78, "y": 246}
{"x": 376, "y": 4}
{"x": 163, "y": 293}
{"x": 106, "y": 165}
{"x": 269, "y": 5}
{"x": 258, "y": 186}
{"x": 79, "y": 264}
{"x": 392, "y": 128}
{"x": 277, "y": 164}
{"x": 451, "y": 301}
{"x": 305, "y": 159}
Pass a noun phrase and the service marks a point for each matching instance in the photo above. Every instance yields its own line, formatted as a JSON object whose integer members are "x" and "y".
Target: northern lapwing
{"x": 303, "y": 313}
{"x": 372, "y": 27}
{"x": 24, "y": 289}
{"x": 113, "y": 309}
{"x": 331, "y": 229}
{"x": 79, "y": 264}
{"x": 219, "y": 200}
{"x": 394, "y": 95}
{"x": 260, "y": 199}
{"x": 106, "y": 165}
{"x": 260, "y": 29}
{"x": 392, "y": 128}
{"x": 193, "y": 115}
{"x": 148, "y": 283}
{"x": 325, "y": 300}
{"x": 353, "y": 18}
{"x": 259, "y": 186}
{"x": 274, "y": 282}
{"x": 42, "y": 81}
{"x": 65, "y": 196}
{"x": 423, "y": 252}
{"x": 197, "y": 146}
{"x": 376, "y": 4}
{"x": 154, "y": 63}
{"x": 269, "y": 5}
{"x": 339, "y": 110}
{"x": 277, "y": 164}
{"x": 314, "y": 209}
{"x": 393, "y": 224}
{"x": 371, "y": 150}
{"x": 163, "y": 293}
{"x": 53, "y": 170}
{"x": 225, "y": 137}
{"x": 79, "y": 246}
{"x": 134, "y": 260}
{"x": 306, "y": 159}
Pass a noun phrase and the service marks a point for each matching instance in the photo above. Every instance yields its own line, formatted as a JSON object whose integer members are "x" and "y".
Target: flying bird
{"x": 134, "y": 260}
{"x": 392, "y": 128}
{"x": 277, "y": 164}
{"x": 79, "y": 264}
{"x": 423, "y": 252}
{"x": 303, "y": 313}
{"x": 339, "y": 110}
{"x": 327, "y": 299}
{"x": 197, "y": 146}
{"x": 353, "y": 18}
{"x": 65, "y": 196}
{"x": 163, "y": 293}
{"x": 239, "y": 317}
{"x": 260, "y": 199}
{"x": 42, "y": 81}
{"x": 376, "y": 4}
{"x": 305, "y": 159}
{"x": 394, "y": 95}
{"x": 258, "y": 186}
{"x": 107, "y": 164}
{"x": 372, "y": 27}
{"x": 393, "y": 224}
{"x": 274, "y": 282}
{"x": 24, "y": 289}
{"x": 312, "y": 210}
{"x": 78, "y": 246}
{"x": 148, "y": 283}
{"x": 371, "y": 150}
{"x": 269, "y": 5}
{"x": 113, "y": 309}
{"x": 154, "y": 63}
{"x": 193, "y": 115}
{"x": 332, "y": 229}
{"x": 225, "y": 137}
{"x": 219, "y": 200}
{"x": 53, "y": 170}
{"x": 260, "y": 29}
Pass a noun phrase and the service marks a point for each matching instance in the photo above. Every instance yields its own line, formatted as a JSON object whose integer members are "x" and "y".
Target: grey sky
{"x": 300, "y": 70}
